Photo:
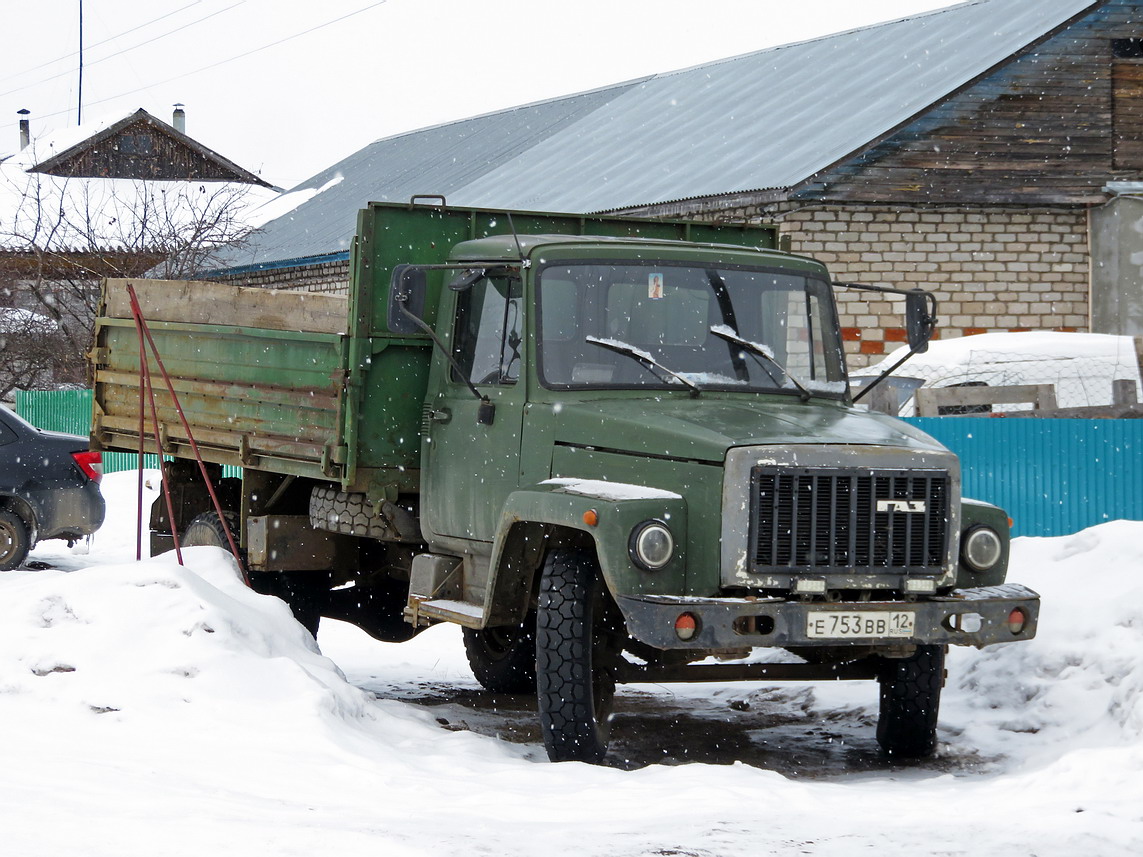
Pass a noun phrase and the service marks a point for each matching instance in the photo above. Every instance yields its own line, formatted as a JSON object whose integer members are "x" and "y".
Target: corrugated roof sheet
{"x": 769, "y": 119}
{"x": 442, "y": 159}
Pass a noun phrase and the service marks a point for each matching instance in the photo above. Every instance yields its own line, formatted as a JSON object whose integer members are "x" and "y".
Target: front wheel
{"x": 578, "y": 640}
{"x": 15, "y": 540}
{"x": 910, "y": 699}
{"x": 503, "y": 658}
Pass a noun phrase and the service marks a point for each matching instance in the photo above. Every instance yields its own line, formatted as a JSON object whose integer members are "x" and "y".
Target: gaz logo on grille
{"x": 900, "y": 505}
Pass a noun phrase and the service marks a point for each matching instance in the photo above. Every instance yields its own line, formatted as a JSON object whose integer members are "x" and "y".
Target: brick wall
{"x": 329, "y": 277}
{"x": 991, "y": 269}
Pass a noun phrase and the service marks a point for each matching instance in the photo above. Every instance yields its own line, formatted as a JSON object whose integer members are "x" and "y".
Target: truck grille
{"x": 873, "y": 521}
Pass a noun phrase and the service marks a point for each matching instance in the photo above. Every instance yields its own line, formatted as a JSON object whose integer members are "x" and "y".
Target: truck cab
{"x": 673, "y": 424}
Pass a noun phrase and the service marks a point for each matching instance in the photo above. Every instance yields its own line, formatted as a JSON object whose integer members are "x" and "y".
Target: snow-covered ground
{"x": 149, "y": 709}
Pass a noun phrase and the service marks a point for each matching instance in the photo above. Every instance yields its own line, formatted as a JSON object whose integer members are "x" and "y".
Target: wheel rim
{"x": 499, "y": 641}
{"x": 10, "y": 541}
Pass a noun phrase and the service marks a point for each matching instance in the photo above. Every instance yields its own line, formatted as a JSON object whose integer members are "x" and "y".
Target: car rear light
{"x": 91, "y": 463}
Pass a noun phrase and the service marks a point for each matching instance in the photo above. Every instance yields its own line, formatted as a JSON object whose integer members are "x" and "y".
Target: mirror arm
{"x": 883, "y": 376}
{"x": 420, "y": 322}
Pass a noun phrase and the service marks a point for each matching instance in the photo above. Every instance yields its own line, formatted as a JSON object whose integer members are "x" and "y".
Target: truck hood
{"x": 703, "y": 429}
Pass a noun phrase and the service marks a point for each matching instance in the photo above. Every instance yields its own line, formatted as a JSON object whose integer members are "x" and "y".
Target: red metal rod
{"x": 138, "y": 314}
{"x": 166, "y": 488}
{"x": 142, "y": 429}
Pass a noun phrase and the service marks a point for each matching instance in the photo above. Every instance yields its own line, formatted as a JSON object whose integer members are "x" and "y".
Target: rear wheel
{"x": 503, "y": 658}
{"x": 306, "y": 592}
{"x": 15, "y": 540}
{"x": 578, "y": 641}
{"x": 910, "y": 699}
{"x": 210, "y": 530}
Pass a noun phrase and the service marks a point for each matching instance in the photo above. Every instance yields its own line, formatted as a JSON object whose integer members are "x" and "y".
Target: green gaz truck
{"x": 612, "y": 450}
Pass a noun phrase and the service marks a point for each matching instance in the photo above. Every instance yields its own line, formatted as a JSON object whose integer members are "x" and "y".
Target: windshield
{"x": 602, "y": 324}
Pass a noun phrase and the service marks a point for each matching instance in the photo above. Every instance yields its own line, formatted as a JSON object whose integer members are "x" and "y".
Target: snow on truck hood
{"x": 704, "y": 428}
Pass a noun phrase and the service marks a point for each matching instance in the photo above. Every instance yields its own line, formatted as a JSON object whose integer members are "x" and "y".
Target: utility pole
{"x": 79, "y": 109}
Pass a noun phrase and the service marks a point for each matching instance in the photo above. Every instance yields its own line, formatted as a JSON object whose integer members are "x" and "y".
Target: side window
{"x": 488, "y": 334}
{"x": 6, "y": 434}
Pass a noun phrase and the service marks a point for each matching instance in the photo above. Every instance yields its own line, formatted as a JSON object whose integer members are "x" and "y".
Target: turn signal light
{"x": 591, "y": 517}
{"x": 1016, "y": 620}
{"x": 686, "y": 626}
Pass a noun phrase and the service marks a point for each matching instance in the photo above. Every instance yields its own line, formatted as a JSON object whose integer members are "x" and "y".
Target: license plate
{"x": 852, "y": 625}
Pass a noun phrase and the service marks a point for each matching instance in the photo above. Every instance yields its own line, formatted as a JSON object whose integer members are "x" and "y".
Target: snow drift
{"x": 149, "y": 708}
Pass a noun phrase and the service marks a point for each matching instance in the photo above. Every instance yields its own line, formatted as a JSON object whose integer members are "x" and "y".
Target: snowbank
{"x": 153, "y": 709}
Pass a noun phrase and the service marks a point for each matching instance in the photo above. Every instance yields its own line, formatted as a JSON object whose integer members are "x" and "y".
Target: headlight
{"x": 651, "y": 545}
{"x": 981, "y": 549}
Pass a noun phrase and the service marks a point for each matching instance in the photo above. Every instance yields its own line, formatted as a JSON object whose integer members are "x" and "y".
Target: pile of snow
{"x": 151, "y": 708}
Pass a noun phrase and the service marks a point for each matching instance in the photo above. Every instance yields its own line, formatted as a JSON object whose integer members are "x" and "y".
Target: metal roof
{"x": 764, "y": 120}
{"x": 439, "y": 160}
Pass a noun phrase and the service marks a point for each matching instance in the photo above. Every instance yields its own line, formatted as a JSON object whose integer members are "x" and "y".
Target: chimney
{"x": 25, "y": 128}
{"x": 179, "y": 120}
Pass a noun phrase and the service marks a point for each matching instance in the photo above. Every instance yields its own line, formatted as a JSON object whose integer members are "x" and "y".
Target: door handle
{"x": 440, "y": 415}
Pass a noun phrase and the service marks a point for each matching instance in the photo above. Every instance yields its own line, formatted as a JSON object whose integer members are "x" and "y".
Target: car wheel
{"x": 578, "y": 641}
{"x": 15, "y": 540}
{"x": 503, "y": 658}
{"x": 910, "y": 700}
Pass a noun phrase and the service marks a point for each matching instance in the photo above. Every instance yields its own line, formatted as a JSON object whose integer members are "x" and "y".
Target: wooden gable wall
{"x": 142, "y": 150}
{"x": 1052, "y": 127}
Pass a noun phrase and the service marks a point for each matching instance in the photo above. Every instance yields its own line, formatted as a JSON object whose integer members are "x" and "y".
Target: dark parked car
{"x": 49, "y": 488}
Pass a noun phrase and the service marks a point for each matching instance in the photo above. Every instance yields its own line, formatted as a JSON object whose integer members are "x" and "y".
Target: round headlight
{"x": 982, "y": 548}
{"x": 651, "y": 545}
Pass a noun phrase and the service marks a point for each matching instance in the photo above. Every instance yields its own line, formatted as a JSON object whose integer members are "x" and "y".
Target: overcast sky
{"x": 288, "y": 87}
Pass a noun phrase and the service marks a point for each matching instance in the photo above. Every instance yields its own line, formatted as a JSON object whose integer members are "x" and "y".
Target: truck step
{"x": 457, "y": 612}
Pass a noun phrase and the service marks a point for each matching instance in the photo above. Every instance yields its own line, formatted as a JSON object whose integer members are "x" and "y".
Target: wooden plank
{"x": 930, "y": 399}
{"x": 202, "y": 302}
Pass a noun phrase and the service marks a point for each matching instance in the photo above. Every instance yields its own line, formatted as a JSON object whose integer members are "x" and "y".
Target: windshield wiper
{"x": 761, "y": 351}
{"x": 644, "y": 358}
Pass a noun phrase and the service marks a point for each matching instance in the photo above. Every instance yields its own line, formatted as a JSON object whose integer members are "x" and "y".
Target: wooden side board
{"x": 202, "y": 302}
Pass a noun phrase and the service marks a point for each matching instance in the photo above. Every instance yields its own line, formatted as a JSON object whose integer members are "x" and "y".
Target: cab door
{"x": 471, "y": 466}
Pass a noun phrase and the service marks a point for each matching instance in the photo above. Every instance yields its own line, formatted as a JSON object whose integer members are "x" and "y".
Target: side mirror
{"x": 920, "y": 319}
{"x": 407, "y": 290}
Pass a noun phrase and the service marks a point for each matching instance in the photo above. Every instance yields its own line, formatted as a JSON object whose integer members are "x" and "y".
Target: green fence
{"x": 70, "y": 411}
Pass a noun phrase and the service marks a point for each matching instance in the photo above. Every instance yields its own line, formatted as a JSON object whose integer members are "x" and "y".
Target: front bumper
{"x": 965, "y": 617}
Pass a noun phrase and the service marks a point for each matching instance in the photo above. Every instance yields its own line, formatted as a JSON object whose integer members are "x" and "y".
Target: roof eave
{"x": 111, "y": 130}
{"x": 799, "y": 186}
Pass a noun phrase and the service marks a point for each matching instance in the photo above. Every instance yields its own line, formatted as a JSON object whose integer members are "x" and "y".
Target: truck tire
{"x": 305, "y": 593}
{"x": 578, "y": 638}
{"x": 910, "y": 700}
{"x": 15, "y": 540}
{"x": 503, "y": 659}
{"x": 209, "y": 530}
{"x": 353, "y": 515}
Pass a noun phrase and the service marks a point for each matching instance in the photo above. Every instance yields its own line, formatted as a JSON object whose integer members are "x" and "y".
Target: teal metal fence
{"x": 1054, "y": 477}
{"x": 70, "y": 411}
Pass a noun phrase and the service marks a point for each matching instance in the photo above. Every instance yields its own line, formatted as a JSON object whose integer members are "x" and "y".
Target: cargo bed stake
{"x": 146, "y": 390}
